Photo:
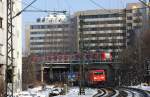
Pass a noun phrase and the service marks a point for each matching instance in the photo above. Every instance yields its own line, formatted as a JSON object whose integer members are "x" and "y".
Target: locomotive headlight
{"x": 102, "y": 77}
{"x": 95, "y": 77}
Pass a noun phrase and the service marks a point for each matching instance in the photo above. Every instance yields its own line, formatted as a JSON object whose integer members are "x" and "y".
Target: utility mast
{"x": 9, "y": 68}
{"x": 9, "y": 73}
{"x": 81, "y": 68}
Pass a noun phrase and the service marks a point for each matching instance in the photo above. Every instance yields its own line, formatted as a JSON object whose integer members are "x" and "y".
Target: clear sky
{"x": 68, "y": 5}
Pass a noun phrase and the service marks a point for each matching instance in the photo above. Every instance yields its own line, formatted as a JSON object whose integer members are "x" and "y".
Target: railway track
{"x": 107, "y": 92}
{"x": 121, "y": 92}
{"x": 136, "y": 92}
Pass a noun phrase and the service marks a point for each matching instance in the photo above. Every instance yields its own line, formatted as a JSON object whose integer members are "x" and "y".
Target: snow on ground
{"x": 73, "y": 92}
{"x": 36, "y": 92}
{"x": 142, "y": 86}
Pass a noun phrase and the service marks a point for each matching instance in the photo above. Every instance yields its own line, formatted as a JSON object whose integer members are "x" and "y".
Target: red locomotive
{"x": 93, "y": 77}
{"x": 96, "y": 76}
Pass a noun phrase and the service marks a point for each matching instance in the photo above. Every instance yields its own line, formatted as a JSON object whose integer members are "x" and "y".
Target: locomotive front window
{"x": 98, "y": 73}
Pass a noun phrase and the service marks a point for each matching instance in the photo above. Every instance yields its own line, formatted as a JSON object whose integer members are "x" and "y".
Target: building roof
{"x": 98, "y": 11}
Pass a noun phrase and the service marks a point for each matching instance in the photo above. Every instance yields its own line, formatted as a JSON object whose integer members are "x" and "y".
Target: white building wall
{"x": 17, "y": 47}
{"x": 2, "y": 38}
{"x": 2, "y": 32}
{"x": 17, "y": 40}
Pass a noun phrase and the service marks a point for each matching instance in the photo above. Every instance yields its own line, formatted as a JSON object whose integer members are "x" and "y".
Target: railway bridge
{"x": 59, "y": 72}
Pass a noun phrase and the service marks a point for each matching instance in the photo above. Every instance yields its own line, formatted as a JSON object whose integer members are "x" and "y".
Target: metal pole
{"x": 82, "y": 90}
{"x": 9, "y": 68}
{"x": 149, "y": 14}
{"x": 9, "y": 52}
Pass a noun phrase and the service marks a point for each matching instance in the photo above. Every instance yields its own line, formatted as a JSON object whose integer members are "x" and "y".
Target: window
{"x": 1, "y": 22}
{"x": 1, "y": 69}
{"x": 137, "y": 20}
{"x": 98, "y": 73}
{"x": 129, "y": 11}
{"x": 129, "y": 24}
{"x": 1, "y": 49}
{"x": 101, "y": 16}
{"x": 129, "y": 18}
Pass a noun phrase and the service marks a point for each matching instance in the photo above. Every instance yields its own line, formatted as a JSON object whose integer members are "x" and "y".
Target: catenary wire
{"x": 70, "y": 7}
{"x": 98, "y": 5}
{"x": 26, "y": 3}
{"x": 107, "y": 10}
{"x": 24, "y": 8}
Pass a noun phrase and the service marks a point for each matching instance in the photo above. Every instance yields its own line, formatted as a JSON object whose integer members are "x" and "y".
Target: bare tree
{"x": 146, "y": 43}
{"x": 28, "y": 72}
{"x": 133, "y": 58}
{"x": 1, "y": 87}
{"x": 129, "y": 73}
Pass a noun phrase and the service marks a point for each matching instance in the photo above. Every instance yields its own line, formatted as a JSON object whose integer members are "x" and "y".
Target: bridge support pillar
{"x": 42, "y": 70}
{"x": 51, "y": 73}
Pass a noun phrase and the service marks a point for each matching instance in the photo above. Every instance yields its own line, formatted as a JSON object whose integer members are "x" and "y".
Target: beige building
{"x": 17, "y": 43}
{"x": 111, "y": 31}
{"x": 135, "y": 21}
{"x": 102, "y": 31}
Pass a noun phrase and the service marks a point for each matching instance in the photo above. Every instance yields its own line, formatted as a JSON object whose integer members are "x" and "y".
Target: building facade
{"x": 109, "y": 30}
{"x": 135, "y": 21}
{"x": 102, "y": 31}
{"x": 51, "y": 34}
{"x": 17, "y": 44}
